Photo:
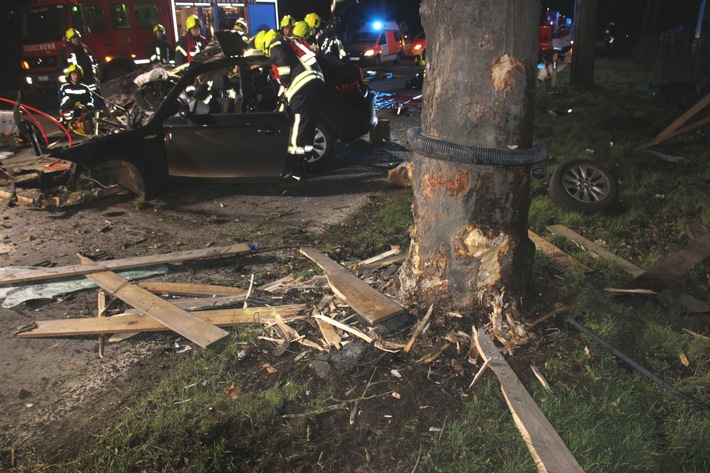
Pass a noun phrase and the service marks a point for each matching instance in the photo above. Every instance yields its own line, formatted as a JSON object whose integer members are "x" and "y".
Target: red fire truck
{"x": 117, "y": 31}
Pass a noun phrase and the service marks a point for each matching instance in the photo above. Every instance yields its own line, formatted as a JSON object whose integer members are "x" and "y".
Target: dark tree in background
{"x": 470, "y": 250}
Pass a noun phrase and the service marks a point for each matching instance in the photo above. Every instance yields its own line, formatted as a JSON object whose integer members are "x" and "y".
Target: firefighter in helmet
{"x": 313, "y": 20}
{"x": 295, "y": 66}
{"x": 160, "y": 51}
{"x": 75, "y": 97}
{"x": 74, "y": 52}
{"x": 240, "y": 26}
{"x": 192, "y": 42}
{"x": 286, "y": 25}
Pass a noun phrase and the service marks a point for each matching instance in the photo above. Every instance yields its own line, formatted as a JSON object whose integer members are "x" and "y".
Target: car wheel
{"x": 322, "y": 147}
{"x": 583, "y": 186}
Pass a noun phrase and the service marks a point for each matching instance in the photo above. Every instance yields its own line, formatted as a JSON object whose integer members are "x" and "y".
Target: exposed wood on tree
{"x": 180, "y": 321}
{"x": 126, "y": 263}
{"x": 469, "y": 235}
{"x": 371, "y": 304}
{"x": 545, "y": 445}
{"x": 142, "y": 323}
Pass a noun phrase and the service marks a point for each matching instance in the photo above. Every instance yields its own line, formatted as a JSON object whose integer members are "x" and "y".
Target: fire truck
{"x": 116, "y": 31}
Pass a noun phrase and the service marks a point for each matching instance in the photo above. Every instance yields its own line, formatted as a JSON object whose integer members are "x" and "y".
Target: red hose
{"x": 27, "y": 109}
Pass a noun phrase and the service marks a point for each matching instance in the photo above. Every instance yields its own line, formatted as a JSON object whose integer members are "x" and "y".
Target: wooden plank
{"x": 691, "y": 303}
{"x": 544, "y": 246}
{"x": 546, "y": 447}
{"x": 180, "y": 321}
{"x": 596, "y": 249}
{"x": 183, "y": 289}
{"x": 692, "y": 111}
{"x": 145, "y": 323}
{"x": 676, "y": 265}
{"x": 18, "y": 277}
{"x": 371, "y": 304}
{"x": 700, "y": 123}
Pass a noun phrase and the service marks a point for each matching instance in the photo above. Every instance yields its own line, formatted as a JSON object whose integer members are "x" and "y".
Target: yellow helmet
{"x": 313, "y": 20}
{"x": 159, "y": 28}
{"x": 264, "y": 39}
{"x": 288, "y": 20}
{"x": 240, "y": 25}
{"x": 71, "y": 32}
{"x": 192, "y": 21}
{"x": 75, "y": 67}
{"x": 302, "y": 30}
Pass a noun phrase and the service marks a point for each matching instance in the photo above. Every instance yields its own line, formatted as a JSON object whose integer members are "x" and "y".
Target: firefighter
{"x": 74, "y": 52}
{"x": 75, "y": 97}
{"x": 160, "y": 51}
{"x": 287, "y": 23}
{"x": 192, "y": 42}
{"x": 313, "y": 20}
{"x": 241, "y": 27}
{"x": 298, "y": 72}
{"x": 302, "y": 32}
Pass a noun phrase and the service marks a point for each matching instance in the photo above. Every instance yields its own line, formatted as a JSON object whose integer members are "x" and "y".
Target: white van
{"x": 376, "y": 42}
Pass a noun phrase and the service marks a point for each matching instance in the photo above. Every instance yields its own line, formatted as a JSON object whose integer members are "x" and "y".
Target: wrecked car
{"x": 219, "y": 122}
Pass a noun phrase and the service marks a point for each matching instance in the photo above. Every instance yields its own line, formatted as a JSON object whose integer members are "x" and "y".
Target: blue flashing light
{"x": 377, "y": 25}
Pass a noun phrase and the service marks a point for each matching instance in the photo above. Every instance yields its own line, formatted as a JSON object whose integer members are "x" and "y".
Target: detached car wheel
{"x": 583, "y": 186}
{"x": 322, "y": 147}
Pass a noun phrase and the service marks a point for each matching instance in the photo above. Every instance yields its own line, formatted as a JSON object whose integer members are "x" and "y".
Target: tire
{"x": 583, "y": 186}
{"x": 322, "y": 147}
{"x": 115, "y": 74}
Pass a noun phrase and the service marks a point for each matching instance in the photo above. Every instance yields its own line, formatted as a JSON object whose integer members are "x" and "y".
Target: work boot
{"x": 294, "y": 173}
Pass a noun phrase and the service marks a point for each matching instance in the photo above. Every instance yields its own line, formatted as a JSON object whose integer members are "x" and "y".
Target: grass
{"x": 612, "y": 418}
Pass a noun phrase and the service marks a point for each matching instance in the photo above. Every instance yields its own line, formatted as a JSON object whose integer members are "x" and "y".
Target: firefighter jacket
{"x": 80, "y": 55}
{"x": 160, "y": 51}
{"x": 187, "y": 46}
{"x": 295, "y": 64}
{"x": 73, "y": 97}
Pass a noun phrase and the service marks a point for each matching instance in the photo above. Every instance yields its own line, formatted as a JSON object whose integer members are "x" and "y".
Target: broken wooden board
{"x": 691, "y": 303}
{"x": 596, "y": 249}
{"x": 674, "y": 129}
{"x": 371, "y": 304}
{"x": 674, "y": 266}
{"x": 180, "y": 321}
{"x": 145, "y": 323}
{"x": 546, "y": 447}
{"x": 544, "y": 246}
{"x": 126, "y": 263}
{"x": 197, "y": 290}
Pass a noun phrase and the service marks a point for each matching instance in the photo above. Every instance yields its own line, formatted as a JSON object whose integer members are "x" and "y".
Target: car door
{"x": 230, "y": 147}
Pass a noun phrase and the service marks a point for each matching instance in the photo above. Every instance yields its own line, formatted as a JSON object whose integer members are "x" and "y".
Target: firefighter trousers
{"x": 305, "y": 106}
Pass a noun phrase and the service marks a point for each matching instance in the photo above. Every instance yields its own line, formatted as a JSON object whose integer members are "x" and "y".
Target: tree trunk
{"x": 585, "y": 17}
{"x": 469, "y": 239}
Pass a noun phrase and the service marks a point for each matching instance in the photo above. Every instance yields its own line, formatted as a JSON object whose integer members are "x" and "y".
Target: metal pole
{"x": 641, "y": 369}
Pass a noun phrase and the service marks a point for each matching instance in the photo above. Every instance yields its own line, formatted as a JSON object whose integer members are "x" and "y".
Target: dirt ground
{"x": 56, "y": 392}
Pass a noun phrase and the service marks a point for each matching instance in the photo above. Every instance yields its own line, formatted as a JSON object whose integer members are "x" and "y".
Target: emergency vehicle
{"x": 116, "y": 31}
{"x": 376, "y": 42}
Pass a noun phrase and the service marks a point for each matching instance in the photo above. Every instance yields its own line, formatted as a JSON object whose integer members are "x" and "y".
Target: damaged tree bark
{"x": 469, "y": 239}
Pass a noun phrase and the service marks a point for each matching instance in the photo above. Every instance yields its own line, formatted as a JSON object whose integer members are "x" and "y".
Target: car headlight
{"x": 417, "y": 47}
{"x": 370, "y": 52}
